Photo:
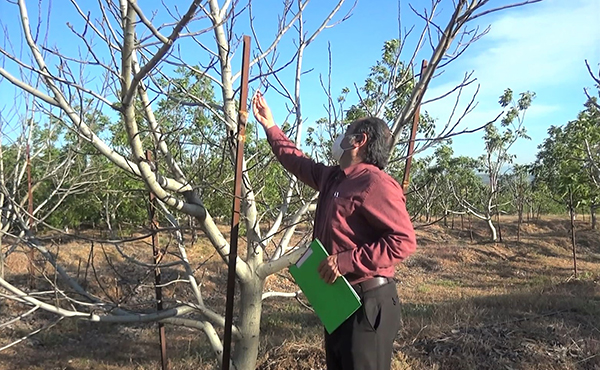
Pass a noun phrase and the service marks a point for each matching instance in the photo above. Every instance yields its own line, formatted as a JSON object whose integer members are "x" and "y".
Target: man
{"x": 362, "y": 221}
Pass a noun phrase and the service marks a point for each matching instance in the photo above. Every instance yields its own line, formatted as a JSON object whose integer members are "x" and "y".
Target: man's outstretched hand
{"x": 261, "y": 111}
{"x": 329, "y": 270}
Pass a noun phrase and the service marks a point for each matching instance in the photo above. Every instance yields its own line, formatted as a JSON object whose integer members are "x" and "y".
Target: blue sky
{"x": 540, "y": 47}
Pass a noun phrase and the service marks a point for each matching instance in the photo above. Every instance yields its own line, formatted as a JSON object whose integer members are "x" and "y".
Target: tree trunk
{"x": 499, "y": 227}
{"x": 572, "y": 214}
{"x": 1, "y": 260}
{"x": 593, "y": 215}
{"x": 519, "y": 222}
{"x": 492, "y": 228}
{"x": 246, "y": 349}
{"x": 470, "y": 227}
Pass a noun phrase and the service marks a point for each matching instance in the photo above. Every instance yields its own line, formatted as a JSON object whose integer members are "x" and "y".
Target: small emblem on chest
{"x": 336, "y": 194}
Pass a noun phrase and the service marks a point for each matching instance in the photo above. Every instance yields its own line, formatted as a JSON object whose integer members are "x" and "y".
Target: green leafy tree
{"x": 498, "y": 142}
{"x": 518, "y": 190}
{"x": 384, "y": 93}
{"x": 567, "y": 161}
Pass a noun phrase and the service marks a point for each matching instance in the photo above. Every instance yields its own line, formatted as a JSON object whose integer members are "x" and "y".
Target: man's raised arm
{"x": 292, "y": 158}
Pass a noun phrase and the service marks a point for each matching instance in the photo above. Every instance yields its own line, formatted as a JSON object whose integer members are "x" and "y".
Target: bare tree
{"x": 129, "y": 54}
{"x": 25, "y": 142}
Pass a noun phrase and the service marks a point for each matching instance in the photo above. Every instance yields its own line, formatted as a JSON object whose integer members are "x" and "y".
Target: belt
{"x": 371, "y": 284}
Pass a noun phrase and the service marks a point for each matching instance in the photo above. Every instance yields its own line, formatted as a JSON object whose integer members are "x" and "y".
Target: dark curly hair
{"x": 379, "y": 137}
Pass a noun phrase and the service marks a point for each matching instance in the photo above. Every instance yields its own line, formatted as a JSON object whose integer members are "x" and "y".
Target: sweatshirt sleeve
{"x": 384, "y": 208}
{"x": 293, "y": 160}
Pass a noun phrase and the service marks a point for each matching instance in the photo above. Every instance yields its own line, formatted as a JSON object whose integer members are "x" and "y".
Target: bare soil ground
{"x": 467, "y": 304}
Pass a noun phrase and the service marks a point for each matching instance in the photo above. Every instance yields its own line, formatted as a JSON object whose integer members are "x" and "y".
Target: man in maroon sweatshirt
{"x": 362, "y": 221}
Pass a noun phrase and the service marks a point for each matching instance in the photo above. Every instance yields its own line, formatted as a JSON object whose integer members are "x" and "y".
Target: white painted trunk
{"x": 492, "y": 229}
{"x": 246, "y": 349}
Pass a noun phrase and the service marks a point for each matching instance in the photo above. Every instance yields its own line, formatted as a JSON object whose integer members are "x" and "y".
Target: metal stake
{"x": 413, "y": 134}
{"x": 157, "y": 278}
{"x": 31, "y": 266}
{"x": 235, "y": 217}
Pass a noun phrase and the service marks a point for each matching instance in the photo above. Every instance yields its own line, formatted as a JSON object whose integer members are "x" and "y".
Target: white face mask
{"x": 336, "y": 148}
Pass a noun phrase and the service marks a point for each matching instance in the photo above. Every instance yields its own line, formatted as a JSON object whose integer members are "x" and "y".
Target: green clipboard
{"x": 333, "y": 303}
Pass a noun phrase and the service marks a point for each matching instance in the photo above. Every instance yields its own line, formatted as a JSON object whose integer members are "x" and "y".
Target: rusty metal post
{"x": 156, "y": 254}
{"x": 235, "y": 217}
{"x": 413, "y": 134}
{"x": 31, "y": 266}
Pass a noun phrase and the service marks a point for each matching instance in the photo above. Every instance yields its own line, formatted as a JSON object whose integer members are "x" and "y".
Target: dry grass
{"x": 467, "y": 305}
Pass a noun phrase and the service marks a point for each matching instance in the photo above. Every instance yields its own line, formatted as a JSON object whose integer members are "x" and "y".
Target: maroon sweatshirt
{"x": 361, "y": 212}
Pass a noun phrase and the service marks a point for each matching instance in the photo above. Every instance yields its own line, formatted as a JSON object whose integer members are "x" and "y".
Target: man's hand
{"x": 329, "y": 270}
{"x": 261, "y": 111}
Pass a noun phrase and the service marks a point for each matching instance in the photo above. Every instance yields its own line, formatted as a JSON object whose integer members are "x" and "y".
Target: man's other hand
{"x": 261, "y": 111}
{"x": 329, "y": 270}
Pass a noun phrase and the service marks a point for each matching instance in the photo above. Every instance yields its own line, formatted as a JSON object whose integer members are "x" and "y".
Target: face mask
{"x": 336, "y": 148}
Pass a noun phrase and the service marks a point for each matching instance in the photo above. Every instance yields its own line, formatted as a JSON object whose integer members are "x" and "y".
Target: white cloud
{"x": 541, "y": 48}
{"x": 532, "y": 47}
{"x": 541, "y": 110}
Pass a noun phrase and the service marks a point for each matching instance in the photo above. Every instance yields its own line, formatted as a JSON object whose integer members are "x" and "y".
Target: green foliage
{"x": 385, "y": 92}
{"x": 440, "y": 180}
{"x": 197, "y": 138}
{"x": 568, "y": 159}
{"x": 498, "y": 140}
